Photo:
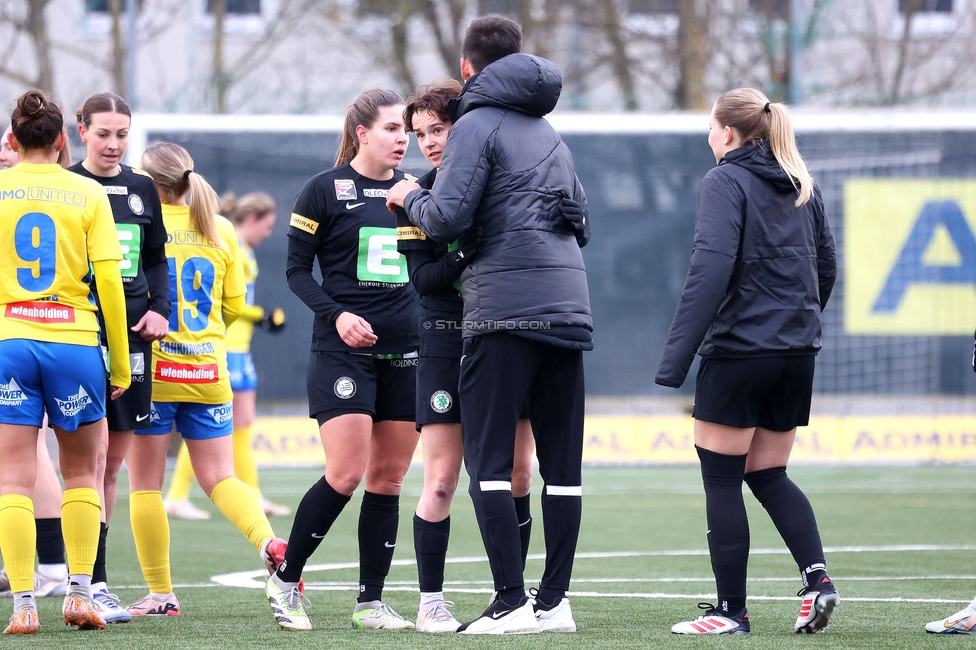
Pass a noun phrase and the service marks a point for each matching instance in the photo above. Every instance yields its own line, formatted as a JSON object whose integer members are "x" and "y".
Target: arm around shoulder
{"x": 447, "y": 210}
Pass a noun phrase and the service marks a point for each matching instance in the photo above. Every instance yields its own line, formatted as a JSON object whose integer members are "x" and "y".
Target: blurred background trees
{"x": 311, "y": 56}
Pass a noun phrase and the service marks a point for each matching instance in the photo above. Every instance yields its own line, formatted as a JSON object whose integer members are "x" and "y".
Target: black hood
{"x": 759, "y": 159}
{"x": 519, "y": 82}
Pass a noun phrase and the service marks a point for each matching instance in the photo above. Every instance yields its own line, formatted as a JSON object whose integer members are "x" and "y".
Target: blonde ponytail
{"x": 171, "y": 168}
{"x": 756, "y": 119}
{"x": 203, "y": 208}
{"x": 782, "y": 141}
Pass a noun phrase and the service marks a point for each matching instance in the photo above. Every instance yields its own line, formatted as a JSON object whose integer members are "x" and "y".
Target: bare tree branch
{"x": 692, "y": 56}
{"x": 903, "y": 46}
{"x": 448, "y": 38}
{"x": 33, "y": 25}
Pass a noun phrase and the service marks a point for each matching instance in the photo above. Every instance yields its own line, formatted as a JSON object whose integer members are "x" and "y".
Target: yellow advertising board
{"x": 910, "y": 256}
{"x": 294, "y": 441}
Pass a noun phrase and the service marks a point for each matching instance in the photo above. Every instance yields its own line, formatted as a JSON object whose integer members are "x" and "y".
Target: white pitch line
{"x": 457, "y": 585}
{"x": 256, "y": 579}
{"x": 586, "y": 594}
{"x": 662, "y": 596}
{"x": 608, "y": 581}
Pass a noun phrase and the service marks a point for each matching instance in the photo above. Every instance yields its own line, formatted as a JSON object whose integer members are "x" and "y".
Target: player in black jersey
{"x": 435, "y": 271}
{"x": 103, "y": 123}
{"x": 361, "y": 375}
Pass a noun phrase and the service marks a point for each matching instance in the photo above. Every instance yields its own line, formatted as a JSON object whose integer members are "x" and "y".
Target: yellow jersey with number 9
{"x": 53, "y": 224}
{"x": 190, "y": 364}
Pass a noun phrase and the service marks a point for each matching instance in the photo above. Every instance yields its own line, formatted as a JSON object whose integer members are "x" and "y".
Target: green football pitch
{"x": 897, "y": 540}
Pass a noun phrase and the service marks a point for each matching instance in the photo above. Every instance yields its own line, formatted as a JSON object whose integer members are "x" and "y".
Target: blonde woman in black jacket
{"x": 762, "y": 268}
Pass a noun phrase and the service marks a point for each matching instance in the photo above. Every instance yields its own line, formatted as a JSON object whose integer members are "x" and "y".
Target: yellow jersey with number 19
{"x": 53, "y": 224}
{"x": 190, "y": 364}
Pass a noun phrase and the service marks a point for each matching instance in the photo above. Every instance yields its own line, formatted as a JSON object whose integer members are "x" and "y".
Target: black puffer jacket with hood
{"x": 504, "y": 172}
{"x": 761, "y": 272}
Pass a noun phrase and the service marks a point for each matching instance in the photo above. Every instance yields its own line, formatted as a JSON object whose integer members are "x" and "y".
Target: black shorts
{"x": 769, "y": 392}
{"x": 437, "y": 391}
{"x": 340, "y": 383}
{"x": 131, "y": 411}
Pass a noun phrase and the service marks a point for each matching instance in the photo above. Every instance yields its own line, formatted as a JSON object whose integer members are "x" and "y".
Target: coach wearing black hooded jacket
{"x": 507, "y": 174}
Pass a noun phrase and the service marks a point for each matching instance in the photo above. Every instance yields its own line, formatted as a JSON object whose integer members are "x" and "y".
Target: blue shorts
{"x": 240, "y": 365}
{"x": 65, "y": 379}
{"x": 193, "y": 421}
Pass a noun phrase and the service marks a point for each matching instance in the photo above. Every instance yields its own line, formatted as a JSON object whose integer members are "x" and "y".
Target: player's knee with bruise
{"x": 441, "y": 489}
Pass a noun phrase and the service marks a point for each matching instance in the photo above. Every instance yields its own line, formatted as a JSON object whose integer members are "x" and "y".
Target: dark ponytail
{"x": 36, "y": 122}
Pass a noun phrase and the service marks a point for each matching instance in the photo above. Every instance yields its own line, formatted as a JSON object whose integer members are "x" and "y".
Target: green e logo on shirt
{"x": 379, "y": 260}
{"x": 130, "y": 239}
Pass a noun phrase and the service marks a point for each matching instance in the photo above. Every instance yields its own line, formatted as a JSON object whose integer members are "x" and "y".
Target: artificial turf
{"x": 892, "y": 532}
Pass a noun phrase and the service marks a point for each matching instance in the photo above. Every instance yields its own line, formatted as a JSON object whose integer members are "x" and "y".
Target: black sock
{"x": 512, "y": 597}
{"x": 378, "y": 522}
{"x": 430, "y": 542}
{"x": 98, "y": 572}
{"x": 523, "y": 510}
{"x": 728, "y": 526}
{"x": 793, "y": 517}
{"x": 319, "y": 509}
{"x": 50, "y": 543}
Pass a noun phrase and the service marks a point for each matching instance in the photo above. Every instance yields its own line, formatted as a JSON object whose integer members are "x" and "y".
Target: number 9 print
{"x": 35, "y": 240}
{"x": 196, "y": 281}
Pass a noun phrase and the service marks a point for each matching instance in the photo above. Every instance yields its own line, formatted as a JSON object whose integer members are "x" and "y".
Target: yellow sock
{"x": 244, "y": 466}
{"x": 80, "y": 511}
{"x": 179, "y": 486}
{"x": 150, "y": 530}
{"x": 18, "y": 537}
{"x": 240, "y": 505}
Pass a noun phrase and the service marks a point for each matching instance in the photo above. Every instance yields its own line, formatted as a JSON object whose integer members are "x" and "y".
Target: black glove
{"x": 273, "y": 321}
{"x": 468, "y": 244}
{"x": 571, "y": 212}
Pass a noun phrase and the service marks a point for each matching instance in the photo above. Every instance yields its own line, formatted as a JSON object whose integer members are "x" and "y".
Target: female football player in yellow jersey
{"x": 190, "y": 382}
{"x": 55, "y": 227}
{"x": 253, "y": 216}
{"x": 51, "y": 577}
